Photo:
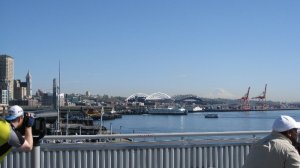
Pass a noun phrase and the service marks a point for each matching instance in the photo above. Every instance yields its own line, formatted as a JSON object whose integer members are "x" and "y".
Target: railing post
{"x": 36, "y": 156}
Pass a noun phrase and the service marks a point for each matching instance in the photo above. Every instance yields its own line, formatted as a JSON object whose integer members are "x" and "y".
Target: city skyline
{"x": 209, "y": 49}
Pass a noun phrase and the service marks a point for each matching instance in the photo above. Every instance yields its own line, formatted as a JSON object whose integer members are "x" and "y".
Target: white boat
{"x": 113, "y": 111}
{"x": 197, "y": 109}
{"x": 168, "y": 111}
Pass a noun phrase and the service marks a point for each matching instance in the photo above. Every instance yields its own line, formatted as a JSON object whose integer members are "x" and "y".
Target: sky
{"x": 214, "y": 49}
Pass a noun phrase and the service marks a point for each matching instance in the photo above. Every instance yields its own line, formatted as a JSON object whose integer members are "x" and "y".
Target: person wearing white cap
{"x": 9, "y": 137}
{"x": 277, "y": 150}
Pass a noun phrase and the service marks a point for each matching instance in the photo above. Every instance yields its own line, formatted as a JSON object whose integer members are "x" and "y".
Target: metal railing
{"x": 187, "y": 150}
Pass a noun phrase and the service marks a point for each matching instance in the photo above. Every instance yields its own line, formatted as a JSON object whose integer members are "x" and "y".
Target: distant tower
{"x": 87, "y": 93}
{"x": 29, "y": 84}
{"x": 6, "y": 77}
{"x": 54, "y": 94}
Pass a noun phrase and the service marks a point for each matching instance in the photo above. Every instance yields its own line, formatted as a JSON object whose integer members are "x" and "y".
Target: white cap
{"x": 284, "y": 123}
{"x": 14, "y": 112}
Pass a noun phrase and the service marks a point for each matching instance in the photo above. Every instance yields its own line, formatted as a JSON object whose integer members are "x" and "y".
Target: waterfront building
{"x": 61, "y": 99}
{"x": 20, "y": 90}
{"x": 6, "y": 78}
{"x": 47, "y": 99}
{"x": 33, "y": 103}
{"x": 23, "y": 90}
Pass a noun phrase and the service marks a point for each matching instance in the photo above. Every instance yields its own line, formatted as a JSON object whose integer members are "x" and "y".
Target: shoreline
{"x": 231, "y": 110}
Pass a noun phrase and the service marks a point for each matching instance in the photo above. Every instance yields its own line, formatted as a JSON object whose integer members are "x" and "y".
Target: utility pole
{"x": 101, "y": 120}
{"x": 67, "y": 127}
{"x": 58, "y": 99}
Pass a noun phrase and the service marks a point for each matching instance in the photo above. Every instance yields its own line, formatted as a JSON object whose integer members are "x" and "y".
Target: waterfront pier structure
{"x": 157, "y": 150}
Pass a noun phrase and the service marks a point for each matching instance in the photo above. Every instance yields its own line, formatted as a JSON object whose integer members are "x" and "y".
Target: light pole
{"x": 58, "y": 129}
{"x": 101, "y": 124}
{"x": 67, "y": 129}
{"x": 120, "y": 132}
{"x": 110, "y": 126}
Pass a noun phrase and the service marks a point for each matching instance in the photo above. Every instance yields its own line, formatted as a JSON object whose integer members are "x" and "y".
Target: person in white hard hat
{"x": 9, "y": 137}
{"x": 277, "y": 149}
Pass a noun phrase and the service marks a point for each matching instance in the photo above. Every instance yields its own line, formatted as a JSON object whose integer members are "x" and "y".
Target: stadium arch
{"x": 158, "y": 96}
{"x": 137, "y": 97}
{"x": 190, "y": 100}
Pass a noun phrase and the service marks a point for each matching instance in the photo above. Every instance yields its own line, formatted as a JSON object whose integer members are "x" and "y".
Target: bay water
{"x": 196, "y": 122}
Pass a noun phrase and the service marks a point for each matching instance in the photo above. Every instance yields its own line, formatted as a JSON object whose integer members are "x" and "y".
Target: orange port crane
{"x": 262, "y": 98}
{"x": 245, "y": 101}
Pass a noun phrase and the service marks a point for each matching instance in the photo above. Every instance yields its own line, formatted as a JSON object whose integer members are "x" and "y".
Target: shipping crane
{"x": 245, "y": 101}
{"x": 262, "y": 99}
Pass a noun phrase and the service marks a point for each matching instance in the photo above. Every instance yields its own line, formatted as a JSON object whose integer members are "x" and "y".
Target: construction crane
{"x": 262, "y": 99}
{"x": 245, "y": 101}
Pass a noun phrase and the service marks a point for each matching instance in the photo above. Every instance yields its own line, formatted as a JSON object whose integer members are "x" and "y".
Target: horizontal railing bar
{"x": 152, "y": 135}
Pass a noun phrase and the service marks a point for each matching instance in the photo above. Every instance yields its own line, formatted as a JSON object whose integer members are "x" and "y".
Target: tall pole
{"x": 58, "y": 99}
{"x": 110, "y": 126}
{"x": 67, "y": 129}
{"x": 101, "y": 123}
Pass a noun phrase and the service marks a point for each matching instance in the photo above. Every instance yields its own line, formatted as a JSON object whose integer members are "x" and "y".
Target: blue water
{"x": 195, "y": 122}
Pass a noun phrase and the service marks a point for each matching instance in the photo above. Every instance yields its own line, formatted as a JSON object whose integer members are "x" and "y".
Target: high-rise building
{"x": 58, "y": 98}
{"x": 23, "y": 90}
{"x": 6, "y": 78}
{"x": 29, "y": 84}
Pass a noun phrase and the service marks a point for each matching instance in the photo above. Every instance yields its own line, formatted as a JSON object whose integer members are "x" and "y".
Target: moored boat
{"x": 168, "y": 111}
{"x": 96, "y": 115}
{"x": 197, "y": 109}
{"x": 211, "y": 115}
